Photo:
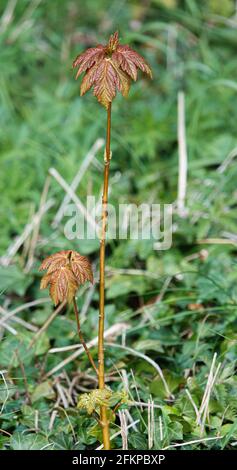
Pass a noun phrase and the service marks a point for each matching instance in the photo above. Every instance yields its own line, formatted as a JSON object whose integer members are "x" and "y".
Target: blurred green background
{"x": 180, "y": 304}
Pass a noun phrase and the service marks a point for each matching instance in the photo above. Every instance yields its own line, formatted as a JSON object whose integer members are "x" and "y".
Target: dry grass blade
{"x": 77, "y": 179}
{"x": 203, "y": 412}
{"x": 193, "y": 404}
{"x": 195, "y": 441}
{"x": 7, "y": 15}
{"x": 23, "y": 307}
{"x": 161, "y": 429}
{"x": 114, "y": 330}
{"x": 54, "y": 414}
{"x": 124, "y": 429}
{"x": 143, "y": 404}
{"x": 20, "y": 321}
{"x": 136, "y": 387}
{"x": 36, "y": 229}
{"x": 118, "y": 433}
{"x": 53, "y": 172}
{"x": 46, "y": 324}
{"x": 14, "y": 247}
{"x": 8, "y": 327}
{"x": 147, "y": 359}
{"x": 151, "y": 423}
{"x": 217, "y": 241}
{"x": 61, "y": 394}
{"x": 208, "y": 385}
{"x": 2, "y": 372}
{"x": 131, "y": 420}
{"x": 183, "y": 158}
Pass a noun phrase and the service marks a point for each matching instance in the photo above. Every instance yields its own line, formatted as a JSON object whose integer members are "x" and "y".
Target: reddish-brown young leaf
{"x": 88, "y": 80}
{"x": 66, "y": 271}
{"x": 88, "y": 58}
{"x": 109, "y": 68}
{"x": 129, "y": 61}
{"x": 113, "y": 43}
{"x": 63, "y": 285}
{"x": 81, "y": 268}
{"x": 123, "y": 81}
{"x": 55, "y": 261}
{"x": 45, "y": 281}
{"x": 105, "y": 83}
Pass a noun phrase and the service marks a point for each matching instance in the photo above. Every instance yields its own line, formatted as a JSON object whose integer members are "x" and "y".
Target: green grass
{"x": 44, "y": 123}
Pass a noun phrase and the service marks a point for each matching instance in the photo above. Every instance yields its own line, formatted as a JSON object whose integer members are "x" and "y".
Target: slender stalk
{"x": 81, "y": 336}
{"x": 101, "y": 375}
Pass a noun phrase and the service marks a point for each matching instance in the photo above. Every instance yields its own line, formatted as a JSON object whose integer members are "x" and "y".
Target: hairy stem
{"x": 81, "y": 336}
{"x": 101, "y": 376}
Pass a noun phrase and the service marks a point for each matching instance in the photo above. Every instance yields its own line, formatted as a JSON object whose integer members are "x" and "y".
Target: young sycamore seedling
{"x": 106, "y": 69}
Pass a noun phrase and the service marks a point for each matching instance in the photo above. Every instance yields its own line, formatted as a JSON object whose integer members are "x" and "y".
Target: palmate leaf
{"x": 63, "y": 285}
{"x": 81, "y": 268}
{"x": 129, "y": 61}
{"x": 66, "y": 271}
{"x": 45, "y": 281}
{"x": 88, "y": 80}
{"x": 91, "y": 401}
{"x": 33, "y": 441}
{"x": 109, "y": 68}
{"x": 123, "y": 81}
{"x": 113, "y": 42}
{"x": 105, "y": 83}
{"x": 88, "y": 58}
{"x": 55, "y": 261}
